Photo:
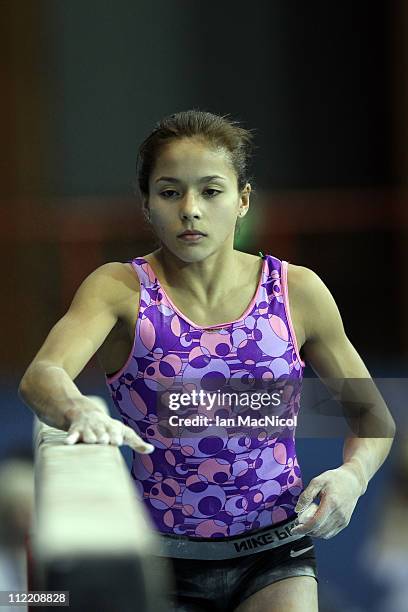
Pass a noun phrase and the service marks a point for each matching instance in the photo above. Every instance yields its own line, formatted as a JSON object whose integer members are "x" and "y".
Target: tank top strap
{"x": 145, "y": 273}
{"x": 273, "y": 276}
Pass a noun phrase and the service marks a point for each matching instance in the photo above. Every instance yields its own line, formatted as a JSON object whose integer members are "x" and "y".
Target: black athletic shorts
{"x": 201, "y": 585}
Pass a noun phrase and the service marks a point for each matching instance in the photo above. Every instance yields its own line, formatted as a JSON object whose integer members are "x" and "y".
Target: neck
{"x": 207, "y": 279}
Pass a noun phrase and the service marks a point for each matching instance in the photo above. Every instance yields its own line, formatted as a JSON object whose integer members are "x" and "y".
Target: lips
{"x": 191, "y": 233}
{"x": 191, "y": 237}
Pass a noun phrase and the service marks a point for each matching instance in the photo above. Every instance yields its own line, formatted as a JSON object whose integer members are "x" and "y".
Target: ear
{"x": 244, "y": 205}
{"x": 145, "y": 208}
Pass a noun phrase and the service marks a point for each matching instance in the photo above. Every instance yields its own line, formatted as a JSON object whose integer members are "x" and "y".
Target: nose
{"x": 189, "y": 208}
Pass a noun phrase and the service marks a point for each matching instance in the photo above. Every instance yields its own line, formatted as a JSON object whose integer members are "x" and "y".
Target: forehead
{"x": 192, "y": 157}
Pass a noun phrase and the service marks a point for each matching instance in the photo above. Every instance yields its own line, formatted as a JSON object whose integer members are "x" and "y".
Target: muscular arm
{"x": 47, "y": 386}
{"x": 332, "y": 356}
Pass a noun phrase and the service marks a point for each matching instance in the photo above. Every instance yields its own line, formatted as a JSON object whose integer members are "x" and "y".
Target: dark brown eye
{"x": 166, "y": 193}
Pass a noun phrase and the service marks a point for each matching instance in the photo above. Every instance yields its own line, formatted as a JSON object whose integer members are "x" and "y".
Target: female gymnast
{"x": 231, "y": 509}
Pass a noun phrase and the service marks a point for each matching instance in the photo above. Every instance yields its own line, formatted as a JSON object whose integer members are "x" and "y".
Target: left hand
{"x": 338, "y": 491}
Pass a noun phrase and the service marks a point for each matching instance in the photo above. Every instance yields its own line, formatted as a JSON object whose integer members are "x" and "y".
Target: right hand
{"x": 89, "y": 423}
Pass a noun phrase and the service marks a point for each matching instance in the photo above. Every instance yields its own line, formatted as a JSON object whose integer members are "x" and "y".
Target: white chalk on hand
{"x": 306, "y": 515}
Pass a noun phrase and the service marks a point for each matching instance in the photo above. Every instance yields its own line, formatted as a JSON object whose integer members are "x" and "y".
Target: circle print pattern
{"x": 224, "y": 481}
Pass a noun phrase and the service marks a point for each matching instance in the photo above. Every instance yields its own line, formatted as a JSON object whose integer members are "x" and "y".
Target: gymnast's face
{"x": 193, "y": 186}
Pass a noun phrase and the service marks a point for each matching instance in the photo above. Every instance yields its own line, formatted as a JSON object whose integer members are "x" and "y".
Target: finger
{"x": 308, "y": 512}
{"x": 103, "y": 438}
{"x": 338, "y": 523}
{"x": 72, "y": 437}
{"x": 116, "y": 439}
{"x": 130, "y": 438}
{"x": 116, "y": 430}
{"x": 332, "y": 533}
{"x": 313, "y": 525}
{"x": 116, "y": 434}
{"x": 307, "y": 496}
{"x": 89, "y": 437}
{"x": 101, "y": 434}
{"x": 325, "y": 527}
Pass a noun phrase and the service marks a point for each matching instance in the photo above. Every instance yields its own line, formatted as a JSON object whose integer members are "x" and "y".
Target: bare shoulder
{"x": 303, "y": 281}
{"x": 300, "y": 290}
{"x": 116, "y": 281}
{"x": 295, "y": 275}
{"x": 296, "y": 287}
{"x": 117, "y": 275}
{"x": 313, "y": 301}
{"x": 299, "y": 281}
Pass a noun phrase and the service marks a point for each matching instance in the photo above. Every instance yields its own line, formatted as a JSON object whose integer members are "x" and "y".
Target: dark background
{"x": 325, "y": 87}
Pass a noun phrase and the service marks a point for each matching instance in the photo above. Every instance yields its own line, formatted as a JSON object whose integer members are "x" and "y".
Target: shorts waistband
{"x": 185, "y": 547}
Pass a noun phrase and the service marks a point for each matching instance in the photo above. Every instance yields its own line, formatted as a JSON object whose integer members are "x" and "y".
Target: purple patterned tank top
{"x": 214, "y": 485}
